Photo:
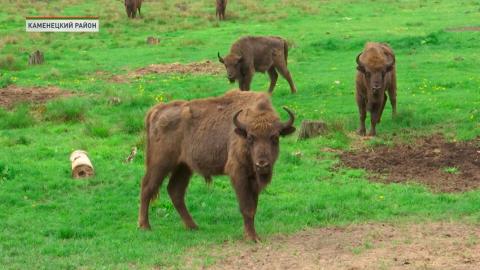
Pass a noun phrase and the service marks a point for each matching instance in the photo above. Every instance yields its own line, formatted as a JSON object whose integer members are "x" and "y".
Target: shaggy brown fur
{"x": 375, "y": 73}
{"x": 236, "y": 134}
{"x": 131, "y": 6}
{"x": 250, "y": 54}
{"x": 221, "y": 7}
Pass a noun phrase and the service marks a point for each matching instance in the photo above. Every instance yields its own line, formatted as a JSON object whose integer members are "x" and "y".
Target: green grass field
{"x": 49, "y": 221}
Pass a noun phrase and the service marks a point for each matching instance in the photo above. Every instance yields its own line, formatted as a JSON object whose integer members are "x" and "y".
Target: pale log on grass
{"x": 81, "y": 165}
{"x": 311, "y": 128}
{"x": 36, "y": 58}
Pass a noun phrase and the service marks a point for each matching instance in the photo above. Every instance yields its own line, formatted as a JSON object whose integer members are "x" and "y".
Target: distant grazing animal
{"x": 221, "y": 6}
{"x": 375, "y": 74}
{"x": 131, "y": 6}
{"x": 236, "y": 135}
{"x": 250, "y": 54}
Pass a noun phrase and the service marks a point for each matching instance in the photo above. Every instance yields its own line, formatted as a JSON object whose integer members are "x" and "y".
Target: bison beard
{"x": 236, "y": 134}
{"x": 375, "y": 74}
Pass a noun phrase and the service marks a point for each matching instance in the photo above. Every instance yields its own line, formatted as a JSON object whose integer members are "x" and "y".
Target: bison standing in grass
{"x": 131, "y": 6}
{"x": 250, "y": 54}
{"x": 235, "y": 135}
{"x": 221, "y": 7}
{"x": 375, "y": 74}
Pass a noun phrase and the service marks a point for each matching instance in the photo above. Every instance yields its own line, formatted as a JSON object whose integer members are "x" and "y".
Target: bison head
{"x": 232, "y": 63}
{"x": 375, "y": 75}
{"x": 262, "y": 140}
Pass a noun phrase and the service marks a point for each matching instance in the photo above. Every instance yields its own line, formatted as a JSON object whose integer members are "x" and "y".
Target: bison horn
{"x": 390, "y": 65}
{"x": 237, "y": 123}
{"x": 358, "y": 60}
{"x": 220, "y": 58}
{"x": 290, "y": 120}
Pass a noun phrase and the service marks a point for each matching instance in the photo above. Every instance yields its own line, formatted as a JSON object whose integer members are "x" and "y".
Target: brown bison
{"x": 375, "y": 74}
{"x": 235, "y": 135}
{"x": 131, "y": 6}
{"x": 221, "y": 6}
{"x": 250, "y": 54}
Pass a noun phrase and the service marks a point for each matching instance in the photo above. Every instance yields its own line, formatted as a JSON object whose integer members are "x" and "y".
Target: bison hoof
{"x": 144, "y": 227}
{"x": 372, "y": 133}
{"x": 253, "y": 238}
{"x": 192, "y": 227}
{"x": 361, "y": 132}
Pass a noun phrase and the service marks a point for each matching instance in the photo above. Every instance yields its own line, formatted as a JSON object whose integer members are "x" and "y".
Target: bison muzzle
{"x": 235, "y": 135}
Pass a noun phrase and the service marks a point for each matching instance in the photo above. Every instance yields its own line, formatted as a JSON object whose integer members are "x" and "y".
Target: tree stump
{"x": 152, "y": 41}
{"x": 311, "y": 128}
{"x": 36, "y": 58}
{"x": 81, "y": 165}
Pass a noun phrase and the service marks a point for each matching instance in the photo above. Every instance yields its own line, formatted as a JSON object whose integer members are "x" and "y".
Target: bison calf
{"x": 375, "y": 74}
{"x": 235, "y": 135}
{"x": 221, "y": 7}
{"x": 250, "y": 54}
{"x": 131, "y": 6}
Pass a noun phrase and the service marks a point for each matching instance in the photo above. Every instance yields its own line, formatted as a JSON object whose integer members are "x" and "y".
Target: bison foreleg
{"x": 245, "y": 82}
{"x": 248, "y": 200}
{"x": 177, "y": 187}
{"x": 273, "y": 78}
{"x": 382, "y": 108}
{"x": 362, "y": 109}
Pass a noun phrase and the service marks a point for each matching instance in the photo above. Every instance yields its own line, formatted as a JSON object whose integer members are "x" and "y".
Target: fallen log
{"x": 81, "y": 165}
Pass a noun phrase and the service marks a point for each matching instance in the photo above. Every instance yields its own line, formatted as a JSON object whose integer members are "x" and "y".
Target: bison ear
{"x": 287, "y": 131}
{"x": 361, "y": 69}
{"x": 241, "y": 132}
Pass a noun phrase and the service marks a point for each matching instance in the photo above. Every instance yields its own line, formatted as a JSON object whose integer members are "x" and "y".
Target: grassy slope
{"x": 49, "y": 221}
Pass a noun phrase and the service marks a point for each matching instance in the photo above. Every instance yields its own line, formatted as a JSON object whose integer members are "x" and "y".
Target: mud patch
{"x": 366, "y": 246}
{"x": 199, "y": 68}
{"x": 442, "y": 166}
{"x": 13, "y": 94}
{"x": 464, "y": 29}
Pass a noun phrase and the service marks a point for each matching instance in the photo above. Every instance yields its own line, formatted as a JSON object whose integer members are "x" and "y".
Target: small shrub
{"x": 97, "y": 129}
{"x": 66, "y": 110}
{"x": 5, "y": 81}
{"x": 19, "y": 118}
{"x": 6, "y": 173}
{"x": 9, "y": 62}
{"x": 133, "y": 123}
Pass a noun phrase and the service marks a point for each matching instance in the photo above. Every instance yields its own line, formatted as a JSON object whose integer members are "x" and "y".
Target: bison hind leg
{"x": 177, "y": 187}
{"x": 151, "y": 183}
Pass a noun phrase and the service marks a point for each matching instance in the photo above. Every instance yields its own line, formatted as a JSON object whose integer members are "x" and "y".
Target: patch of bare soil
{"x": 443, "y": 166}
{"x": 367, "y": 246}
{"x": 13, "y": 94}
{"x": 464, "y": 29}
{"x": 206, "y": 67}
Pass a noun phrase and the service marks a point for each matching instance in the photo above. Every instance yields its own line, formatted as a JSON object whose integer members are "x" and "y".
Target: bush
{"x": 97, "y": 129}
{"x": 19, "y": 118}
{"x": 66, "y": 110}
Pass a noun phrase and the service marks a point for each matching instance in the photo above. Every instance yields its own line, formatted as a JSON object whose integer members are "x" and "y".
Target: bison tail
{"x": 285, "y": 51}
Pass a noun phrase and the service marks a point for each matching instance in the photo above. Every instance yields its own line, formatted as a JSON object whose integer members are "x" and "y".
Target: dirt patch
{"x": 206, "y": 67}
{"x": 464, "y": 29}
{"x": 13, "y": 94}
{"x": 443, "y": 166}
{"x": 367, "y": 246}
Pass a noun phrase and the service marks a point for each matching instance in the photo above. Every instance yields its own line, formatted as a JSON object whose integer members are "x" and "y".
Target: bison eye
{"x": 368, "y": 74}
{"x": 250, "y": 139}
{"x": 274, "y": 139}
